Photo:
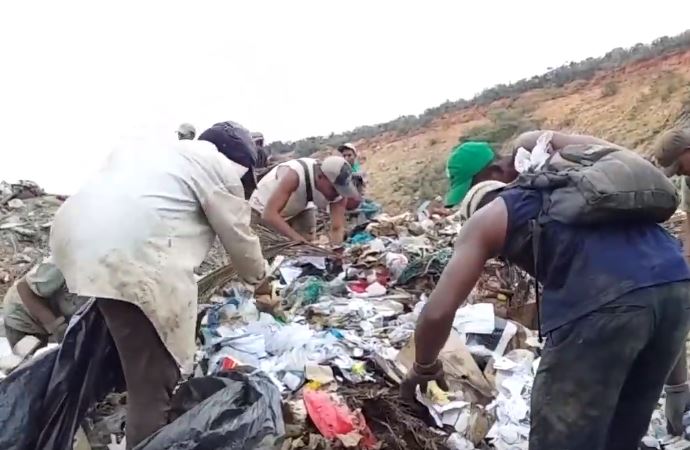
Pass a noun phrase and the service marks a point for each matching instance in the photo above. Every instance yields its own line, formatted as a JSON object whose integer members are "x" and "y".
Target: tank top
{"x": 298, "y": 200}
{"x": 582, "y": 268}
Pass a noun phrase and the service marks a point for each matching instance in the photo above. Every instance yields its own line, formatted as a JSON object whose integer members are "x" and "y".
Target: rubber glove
{"x": 420, "y": 375}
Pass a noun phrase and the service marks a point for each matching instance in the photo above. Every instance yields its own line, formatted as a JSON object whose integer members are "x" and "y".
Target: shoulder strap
{"x": 307, "y": 180}
{"x": 536, "y": 244}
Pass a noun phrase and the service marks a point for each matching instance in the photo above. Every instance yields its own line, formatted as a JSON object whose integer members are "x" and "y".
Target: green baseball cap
{"x": 465, "y": 161}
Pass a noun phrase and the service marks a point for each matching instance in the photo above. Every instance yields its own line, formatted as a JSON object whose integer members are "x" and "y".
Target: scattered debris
{"x": 15, "y": 203}
{"x": 333, "y": 336}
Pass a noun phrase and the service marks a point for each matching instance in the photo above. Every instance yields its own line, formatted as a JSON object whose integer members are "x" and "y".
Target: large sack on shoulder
{"x": 596, "y": 184}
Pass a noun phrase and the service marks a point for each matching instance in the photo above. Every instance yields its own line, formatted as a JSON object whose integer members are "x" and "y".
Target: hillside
{"x": 630, "y": 105}
{"x": 627, "y": 96}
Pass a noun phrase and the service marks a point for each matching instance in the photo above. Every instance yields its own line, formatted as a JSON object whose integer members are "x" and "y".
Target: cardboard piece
{"x": 462, "y": 372}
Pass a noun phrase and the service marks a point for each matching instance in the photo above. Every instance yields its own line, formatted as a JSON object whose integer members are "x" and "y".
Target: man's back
{"x": 137, "y": 230}
{"x": 582, "y": 268}
{"x": 145, "y": 206}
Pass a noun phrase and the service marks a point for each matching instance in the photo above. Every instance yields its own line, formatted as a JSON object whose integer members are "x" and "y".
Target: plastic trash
{"x": 305, "y": 291}
{"x": 478, "y": 318}
{"x": 247, "y": 349}
{"x": 459, "y": 442}
{"x": 45, "y": 399}
{"x": 334, "y": 419}
{"x": 234, "y": 411}
{"x": 494, "y": 344}
{"x": 369, "y": 208}
{"x": 360, "y": 238}
{"x": 287, "y": 337}
{"x": 396, "y": 263}
{"x": 514, "y": 380}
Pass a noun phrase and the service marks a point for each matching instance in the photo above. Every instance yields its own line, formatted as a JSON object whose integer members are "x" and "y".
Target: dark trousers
{"x": 150, "y": 371}
{"x": 600, "y": 376}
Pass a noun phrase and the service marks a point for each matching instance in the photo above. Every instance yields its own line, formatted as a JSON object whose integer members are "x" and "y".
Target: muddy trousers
{"x": 150, "y": 371}
{"x": 600, "y": 376}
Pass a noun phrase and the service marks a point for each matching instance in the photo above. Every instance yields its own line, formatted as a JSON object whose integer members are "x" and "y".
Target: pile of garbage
{"x": 334, "y": 336}
{"x": 314, "y": 361}
{"x": 336, "y": 340}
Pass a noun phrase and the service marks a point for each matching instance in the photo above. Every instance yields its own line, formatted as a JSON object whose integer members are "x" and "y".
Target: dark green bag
{"x": 590, "y": 185}
{"x": 595, "y": 184}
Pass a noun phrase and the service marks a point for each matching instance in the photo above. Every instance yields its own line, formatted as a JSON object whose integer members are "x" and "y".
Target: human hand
{"x": 420, "y": 375}
{"x": 57, "y": 329}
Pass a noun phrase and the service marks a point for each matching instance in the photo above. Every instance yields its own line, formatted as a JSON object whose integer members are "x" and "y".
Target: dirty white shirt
{"x": 147, "y": 219}
{"x": 298, "y": 200}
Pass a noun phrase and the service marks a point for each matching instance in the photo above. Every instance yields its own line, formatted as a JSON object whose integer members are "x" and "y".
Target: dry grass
{"x": 272, "y": 245}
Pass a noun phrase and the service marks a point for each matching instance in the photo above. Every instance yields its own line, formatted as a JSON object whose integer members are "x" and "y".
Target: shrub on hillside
{"x": 505, "y": 124}
{"x": 610, "y": 89}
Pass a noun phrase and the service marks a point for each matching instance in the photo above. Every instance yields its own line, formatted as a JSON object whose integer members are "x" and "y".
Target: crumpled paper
{"x": 514, "y": 378}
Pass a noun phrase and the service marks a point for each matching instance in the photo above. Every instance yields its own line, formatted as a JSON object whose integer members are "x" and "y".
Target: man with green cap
{"x": 472, "y": 162}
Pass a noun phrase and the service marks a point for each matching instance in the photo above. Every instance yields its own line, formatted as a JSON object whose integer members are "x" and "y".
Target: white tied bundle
{"x": 526, "y": 161}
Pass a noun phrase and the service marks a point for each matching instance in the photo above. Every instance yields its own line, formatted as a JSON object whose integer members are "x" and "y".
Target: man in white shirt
{"x": 286, "y": 197}
{"x": 132, "y": 236}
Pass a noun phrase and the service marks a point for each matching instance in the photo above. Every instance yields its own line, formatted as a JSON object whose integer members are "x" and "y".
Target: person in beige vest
{"x": 132, "y": 236}
{"x": 39, "y": 305}
{"x": 672, "y": 152}
{"x": 287, "y": 197}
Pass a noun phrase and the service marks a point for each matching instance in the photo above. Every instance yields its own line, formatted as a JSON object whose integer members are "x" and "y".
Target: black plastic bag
{"x": 234, "y": 410}
{"x": 43, "y": 401}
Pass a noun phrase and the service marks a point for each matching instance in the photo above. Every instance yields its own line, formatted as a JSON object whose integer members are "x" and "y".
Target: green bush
{"x": 504, "y": 125}
{"x": 610, "y": 89}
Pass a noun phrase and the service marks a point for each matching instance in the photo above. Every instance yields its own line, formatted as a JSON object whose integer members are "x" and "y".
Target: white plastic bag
{"x": 526, "y": 160}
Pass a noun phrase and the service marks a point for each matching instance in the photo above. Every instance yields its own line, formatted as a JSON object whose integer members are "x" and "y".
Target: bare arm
{"x": 559, "y": 140}
{"x": 287, "y": 184}
{"x": 35, "y": 305}
{"x": 480, "y": 239}
{"x": 337, "y": 232}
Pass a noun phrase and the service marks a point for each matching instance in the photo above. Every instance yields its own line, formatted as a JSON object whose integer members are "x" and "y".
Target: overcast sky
{"x": 78, "y": 76}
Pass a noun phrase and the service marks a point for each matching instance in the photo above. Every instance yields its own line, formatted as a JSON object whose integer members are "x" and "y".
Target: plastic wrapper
{"x": 287, "y": 337}
{"x": 44, "y": 400}
{"x": 305, "y": 291}
{"x": 334, "y": 420}
{"x": 236, "y": 411}
{"x": 247, "y": 349}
